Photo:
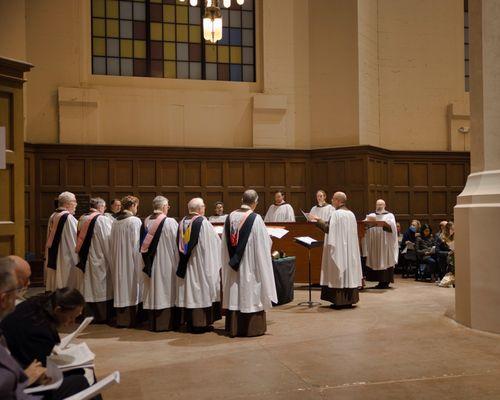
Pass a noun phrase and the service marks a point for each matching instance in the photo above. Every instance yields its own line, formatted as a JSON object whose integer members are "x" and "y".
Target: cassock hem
{"x": 127, "y": 317}
{"x": 102, "y": 311}
{"x": 340, "y": 296}
{"x": 163, "y": 320}
{"x": 382, "y": 276}
{"x": 200, "y": 317}
{"x": 246, "y": 324}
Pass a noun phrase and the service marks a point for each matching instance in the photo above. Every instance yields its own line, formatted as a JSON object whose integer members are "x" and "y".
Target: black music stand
{"x": 317, "y": 243}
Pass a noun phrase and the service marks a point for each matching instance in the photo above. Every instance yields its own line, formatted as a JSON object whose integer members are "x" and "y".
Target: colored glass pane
{"x": 194, "y": 34}
{"x": 156, "y": 31}
{"x": 223, "y": 54}
{"x": 181, "y": 14}
{"x": 139, "y": 49}
{"x": 182, "y": 33}
{"x": 98, "y": 27}
{"x": 211, "y": 53}
{"x": 169, "y": 69}
{"x": 112, "y": 9}
{"x": 99, "y": 47}
{"x": 169, "y": 51}
{"x": 126, "y": 48}
{"x": 98, "y": 9}
{"x": 112, "y": 28}
{"x": 169, "y": 32}
{"x": 168, "y": 13}
{"x": 235, "y": 55}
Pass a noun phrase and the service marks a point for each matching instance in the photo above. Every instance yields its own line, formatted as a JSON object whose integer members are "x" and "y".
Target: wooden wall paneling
{"x": 364, "y": 173}
{"x": 214, "y": 174}
{"x": 146, "y": 173}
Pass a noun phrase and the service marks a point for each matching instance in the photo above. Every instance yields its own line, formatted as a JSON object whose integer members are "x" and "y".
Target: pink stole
{"x": 151, "y": 232}
{"x": 53, "y": 227}
{"x": 83, "y": 230}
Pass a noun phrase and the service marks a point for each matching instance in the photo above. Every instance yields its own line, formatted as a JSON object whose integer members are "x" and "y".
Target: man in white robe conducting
{"x": 247, "y": 271}
{"x": 60, "y": 256}
{"x": 198, "y": 272}
{"x": 381, "y": 246}
{"x": 161, "y": 258}
{"x": 322, "y": 209}
{"x": 280, "y": 211}
{"x": 126, "y": 263}
{"x": 341, "y": 274}
{"x": 92, "y": 246}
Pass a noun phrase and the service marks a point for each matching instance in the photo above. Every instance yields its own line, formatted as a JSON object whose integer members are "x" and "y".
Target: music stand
{"x": 317, "y": 243}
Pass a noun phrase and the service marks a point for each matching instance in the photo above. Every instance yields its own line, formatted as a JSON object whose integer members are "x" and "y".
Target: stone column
{"x": 477, "y": 214}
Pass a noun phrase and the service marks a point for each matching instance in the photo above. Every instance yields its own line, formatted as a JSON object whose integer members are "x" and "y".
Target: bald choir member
{"x": 322, "y": 209}
{"x": 381, "y": 247}
{"x": 198, "y": 272}
{"x": 280, "y": 211}
{"x": 22, "y": 271}
{"x": 247, "y": 270}
{"x": 60, "y": 256}
{"x": 161, "y": 258}
{"x": 341, "y": 273}
{"x": 92, "y": 247}
{"x": 126, "y": 262}
{"x": 219, "y": 216}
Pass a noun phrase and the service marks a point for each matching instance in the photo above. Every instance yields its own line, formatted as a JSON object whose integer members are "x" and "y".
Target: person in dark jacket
{"x": 426, "y": 249}
{"x": 31, "y": 330}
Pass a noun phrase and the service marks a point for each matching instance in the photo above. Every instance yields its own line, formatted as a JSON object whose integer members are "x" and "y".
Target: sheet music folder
{"x": 308, "y": 242}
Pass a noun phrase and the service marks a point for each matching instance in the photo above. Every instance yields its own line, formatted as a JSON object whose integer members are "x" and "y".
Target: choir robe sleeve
{"x": 102, "y": 233}
{"x": 290, "y": 215}
{"x": 210, "y": 245}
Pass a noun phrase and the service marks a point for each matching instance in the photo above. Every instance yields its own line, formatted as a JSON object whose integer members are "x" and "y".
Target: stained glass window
{"x": 164, "y": 38}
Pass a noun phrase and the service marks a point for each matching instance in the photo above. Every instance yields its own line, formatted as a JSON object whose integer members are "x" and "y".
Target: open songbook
{"x": 73, "y": 357}
{"x": 306, "y": 239}
{"x": 276, "y": 231}
{"x": 65, "y": 341}
{"x": 54, "y": 374}
{"x": 306, "y": 215}
{"x": 97, "y": 388}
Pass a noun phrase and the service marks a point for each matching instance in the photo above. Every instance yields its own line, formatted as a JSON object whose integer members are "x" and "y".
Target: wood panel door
{"x": 12, "y": 182}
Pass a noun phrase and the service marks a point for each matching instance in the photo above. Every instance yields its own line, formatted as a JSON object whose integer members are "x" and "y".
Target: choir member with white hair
{"x": 198, "y": 272}
{"x": 341, "y": 273}
{"x": 381, "y": 246}
{"x": 248, "y": 279}
{"x": 92, "y": 246}
{"x": 322, "y": 209}
{"x": 60, "y": 256}
{"x": 280, "y": 211}
{"x": 161, "y": 258}
{"x": 126, "y": 262}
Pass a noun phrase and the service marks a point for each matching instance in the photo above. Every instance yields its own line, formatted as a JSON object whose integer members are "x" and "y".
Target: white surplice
{"x": 252, "y": 287}
{"x": 201, "y": 286}
{"x": 217, "y": 219}
{"x": 160, "y": 289}
{"x": 97, "y": 282}
{"x": 126, "y": 262}
{"x": 381, "y": 246}
{"x": 341, "y": 263}
{"x": 280, "y": 213}
{"x": 65, "y": 274}
{"x": 323, "y": 212}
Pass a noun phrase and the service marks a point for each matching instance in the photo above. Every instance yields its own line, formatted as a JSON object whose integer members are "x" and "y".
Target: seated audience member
{"x": 442, "y": 227}
{"x": 411, "y": 234}
{"x": 13, "y": 379}
{"x": 23, "y": 274}
{"x": 445, "y": 249}
{"x": 426, "y": 250}
{"x": 31, "y": 329}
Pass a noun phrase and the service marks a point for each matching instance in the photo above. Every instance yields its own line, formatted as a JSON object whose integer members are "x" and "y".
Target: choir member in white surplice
{"x": 247, "y": 270}
{"x": 198, "y": 272}
{"x": 92, "y": 246}
{"x": 280, "y": 211}
{"x": 322, "y": 210}
{"x": 341, "y": 273}
{"x": 126, "y": 262}
{"x": 60, "y": 256}
{"x": 219, "y": 216}
{"x": 381, "y": 247}
{"x": 161, "y": 258}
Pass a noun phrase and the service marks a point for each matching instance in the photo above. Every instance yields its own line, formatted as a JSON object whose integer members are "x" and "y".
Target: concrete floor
{"x": 400, "y": 343}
